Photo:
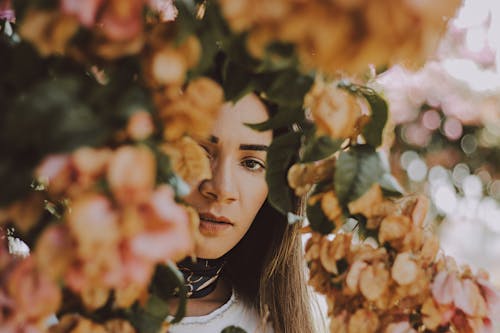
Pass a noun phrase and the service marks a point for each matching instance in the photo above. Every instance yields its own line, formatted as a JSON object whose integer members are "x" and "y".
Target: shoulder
{"x": 235, "y": 312}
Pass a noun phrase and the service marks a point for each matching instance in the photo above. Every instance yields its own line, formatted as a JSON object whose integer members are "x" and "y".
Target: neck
{"x": 201, "y": 275}
{"x": 207, "y": 304}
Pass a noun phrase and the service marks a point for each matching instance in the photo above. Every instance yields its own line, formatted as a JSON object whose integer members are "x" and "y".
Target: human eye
{"x": 208, "y": 153}
{"x": 253, "y": 164}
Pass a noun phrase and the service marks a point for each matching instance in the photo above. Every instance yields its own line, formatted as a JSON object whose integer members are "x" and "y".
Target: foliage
{"x": 99, "y": 98}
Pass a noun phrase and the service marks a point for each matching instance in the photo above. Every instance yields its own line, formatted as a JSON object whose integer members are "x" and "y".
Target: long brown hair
{"x": 267, "y": 269}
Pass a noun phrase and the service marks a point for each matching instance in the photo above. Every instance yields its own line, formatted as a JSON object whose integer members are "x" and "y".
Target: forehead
{"x": 230, "y": 122}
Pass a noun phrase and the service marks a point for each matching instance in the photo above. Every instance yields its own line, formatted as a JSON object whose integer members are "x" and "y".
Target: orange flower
{"x": 192, "y": 112}
{"x": 189, "y": 160}
{"x": 363, "y": 321}
{"x": 74, "y": 323}
{"x": 132, "y": 174}
{"x": 364, "y": 204}
{"x": 335, "y": 111}
{"x": 54, "y": 251}
{"x": 302, "y": 176}
{"x": 27, "y": 212}
{"x": 49, "y": 31}
{"x": 34, "y": 295}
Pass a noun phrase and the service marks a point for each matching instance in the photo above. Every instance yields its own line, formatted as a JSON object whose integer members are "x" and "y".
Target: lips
{"x": 212, "y": 226}
{"x": 215, "y": 219}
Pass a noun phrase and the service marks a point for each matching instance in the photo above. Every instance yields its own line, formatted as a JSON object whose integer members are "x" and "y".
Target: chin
{"x": 211, "y": 248}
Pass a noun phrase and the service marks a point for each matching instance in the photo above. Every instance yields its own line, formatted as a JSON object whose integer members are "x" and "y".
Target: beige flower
{"x": 332, "y": 251}
{"x": 189, "y": 160}
{"x": 335, "y": 111}
{"x": 353, "y": 276}
{"x": 94, "y": 297}
{"x": 338, "y": 323}
{"x": 132, "y": 174}
{"x": 363, "y": 321}
{"x": 394, "y": 228}
{"x": 374, "y": 281}
{"x": 405, "y": 269}
{"x": 331, "y": 207}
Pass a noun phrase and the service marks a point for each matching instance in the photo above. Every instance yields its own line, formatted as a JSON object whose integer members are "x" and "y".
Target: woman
{"x": 252, "y": 272}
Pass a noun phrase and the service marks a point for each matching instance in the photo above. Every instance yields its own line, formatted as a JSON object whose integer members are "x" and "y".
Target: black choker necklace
{"x": 201, "y": 276}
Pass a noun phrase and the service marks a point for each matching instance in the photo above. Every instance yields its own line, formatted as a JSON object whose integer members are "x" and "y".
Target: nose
{"x": 221, "y": 187}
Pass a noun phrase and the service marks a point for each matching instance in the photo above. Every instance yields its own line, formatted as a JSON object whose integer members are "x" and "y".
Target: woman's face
{"x": 228, "y": 202}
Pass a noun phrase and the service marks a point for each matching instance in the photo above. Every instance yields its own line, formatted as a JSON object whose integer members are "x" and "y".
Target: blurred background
{"x": 447, "y": 135}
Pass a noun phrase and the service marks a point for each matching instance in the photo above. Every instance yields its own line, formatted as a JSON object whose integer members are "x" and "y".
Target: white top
{"x": 233, "y": 313}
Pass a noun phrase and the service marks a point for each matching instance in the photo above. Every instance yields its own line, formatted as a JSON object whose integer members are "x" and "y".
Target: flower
{"x": 167, "y": 63}
{"x": 364, "y": 204}
{"x": 132, "y": 174}
{"x": 335, "y": 111}
{"x": 189, "y": 160}
{"x": 302, "y": 176}
{"x": 34, "y": 297}
{"x": 49, "y": 31}
{"x": 193, "y": 112}
{"x": 140, "y": 126}
{"x": 167, "y": 230}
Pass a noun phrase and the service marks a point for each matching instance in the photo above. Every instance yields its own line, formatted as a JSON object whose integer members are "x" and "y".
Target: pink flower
{"x": 122, "y": 19}
{"x": 165, "y": 8}
{"x": 34, "y": 295}
{"x": 166, "y": 234}
{"x": 443, "y": 287}
{"x": 118, "y": 20}
{"x": 468, "y": 298}
{"x": 84, "y": 10}
{"x": 132, "y": 174}
{"x": 94, "y": 224}
{"x": 492, "y": 297}
{"x": 6, "y": 11}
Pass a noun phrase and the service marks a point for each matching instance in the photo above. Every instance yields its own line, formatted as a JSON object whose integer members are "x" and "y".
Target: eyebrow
{"x": 215, "y": 140}
{"x": 254, "y": 147}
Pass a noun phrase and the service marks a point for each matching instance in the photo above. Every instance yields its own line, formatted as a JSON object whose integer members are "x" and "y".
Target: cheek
{"x": 255, "y": 194}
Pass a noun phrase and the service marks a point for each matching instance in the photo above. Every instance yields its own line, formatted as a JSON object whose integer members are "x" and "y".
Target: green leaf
{"x": 318, "y": 220}
{"x": 237, "y": 80}
{"x": 150, "y": 318}
{"x": 390, "y": 185}
{"x": 167, "y": 281}
{"x": 233, "y": 329}
{"x": 284, "y": 117}
{"x": 281, "y": 154}
{"x": 289, "y": 88}
{"x": 186, "y": 21}
{"x": 356, "y": 171}
{"x": 318, "y": 148}
{"x": 373, "y": 130}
